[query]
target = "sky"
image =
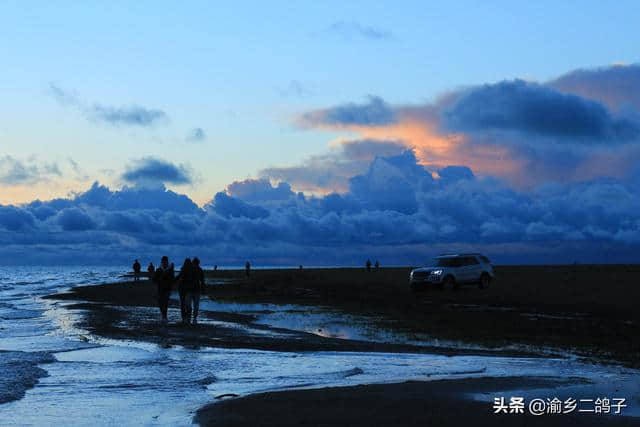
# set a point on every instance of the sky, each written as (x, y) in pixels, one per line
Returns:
(319, 132)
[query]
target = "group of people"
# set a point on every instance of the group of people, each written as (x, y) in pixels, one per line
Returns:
(190, 282)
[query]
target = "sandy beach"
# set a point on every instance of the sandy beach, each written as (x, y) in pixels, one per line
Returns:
(527, 312)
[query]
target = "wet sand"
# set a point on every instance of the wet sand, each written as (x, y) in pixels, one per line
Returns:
(127, 311)
(438, 403)
(589, 310)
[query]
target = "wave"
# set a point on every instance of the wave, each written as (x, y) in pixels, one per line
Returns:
(19, 372)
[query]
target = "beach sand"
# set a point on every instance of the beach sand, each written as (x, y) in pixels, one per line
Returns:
(434, 403)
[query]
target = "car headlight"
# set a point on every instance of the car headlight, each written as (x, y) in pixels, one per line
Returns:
(436, 272)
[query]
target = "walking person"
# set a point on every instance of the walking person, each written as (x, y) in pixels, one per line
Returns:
(186, 283)
(164, 278)
(193, 297)
(136, 270)
(151, 269)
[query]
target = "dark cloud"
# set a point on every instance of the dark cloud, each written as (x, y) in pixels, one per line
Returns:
(74, 219)
(13, 218)
(618, 86)
(538, 110)
(153, 171)
(375, 112)
(230, 207)
(114, 116)
(395, 210)
(18, 172)
(352, 30)
(197, 135)
(137, 198)
(132, 222)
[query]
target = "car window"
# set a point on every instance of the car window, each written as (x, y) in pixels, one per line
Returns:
(471, 261)
(484, 259)
(446, 262)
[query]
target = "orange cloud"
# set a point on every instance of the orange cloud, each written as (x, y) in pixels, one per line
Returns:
(435, 150)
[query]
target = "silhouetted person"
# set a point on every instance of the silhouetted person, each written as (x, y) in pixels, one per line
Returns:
(247, 268)
(368, 264)
(136, 270)
(215, 267)
(151, 269)
(186, 283)
(377, 265)
(193, 296)
(300, 266)
(164, 278)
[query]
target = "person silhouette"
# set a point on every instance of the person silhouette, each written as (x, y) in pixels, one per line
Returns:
(186, 282)
(151, 269)
(136, 270)
(377, 265)
(247, 268)
(164, 278)
(193, 295)
(368, 265)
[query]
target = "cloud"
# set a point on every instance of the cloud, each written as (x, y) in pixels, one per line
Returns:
(133, 115)
(230, 207)
(62, 96)
(17, 172)
(126, 116)
(441, 176)
(13, 218)
(375, 112)
(259, 190)
(617, 86)
(353, 30)
(79, 173)
(197, 135)
(535, 109)
(154, 172)
(74, 219)
(136, 198)
(295, 89)
(524, 133)
(332, 171)
(396, 210)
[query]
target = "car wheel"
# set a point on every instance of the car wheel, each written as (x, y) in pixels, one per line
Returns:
(485, 280)
(449, 283)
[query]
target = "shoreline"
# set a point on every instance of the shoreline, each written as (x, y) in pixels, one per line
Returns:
(126, 310)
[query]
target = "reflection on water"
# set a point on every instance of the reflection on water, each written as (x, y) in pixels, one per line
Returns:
(131, 383)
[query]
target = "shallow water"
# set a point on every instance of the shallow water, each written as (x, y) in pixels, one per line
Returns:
(91, 379)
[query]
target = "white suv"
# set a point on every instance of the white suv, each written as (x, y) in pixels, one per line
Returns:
(452, 271)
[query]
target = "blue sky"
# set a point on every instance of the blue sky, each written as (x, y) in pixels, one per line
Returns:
(224, 92)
